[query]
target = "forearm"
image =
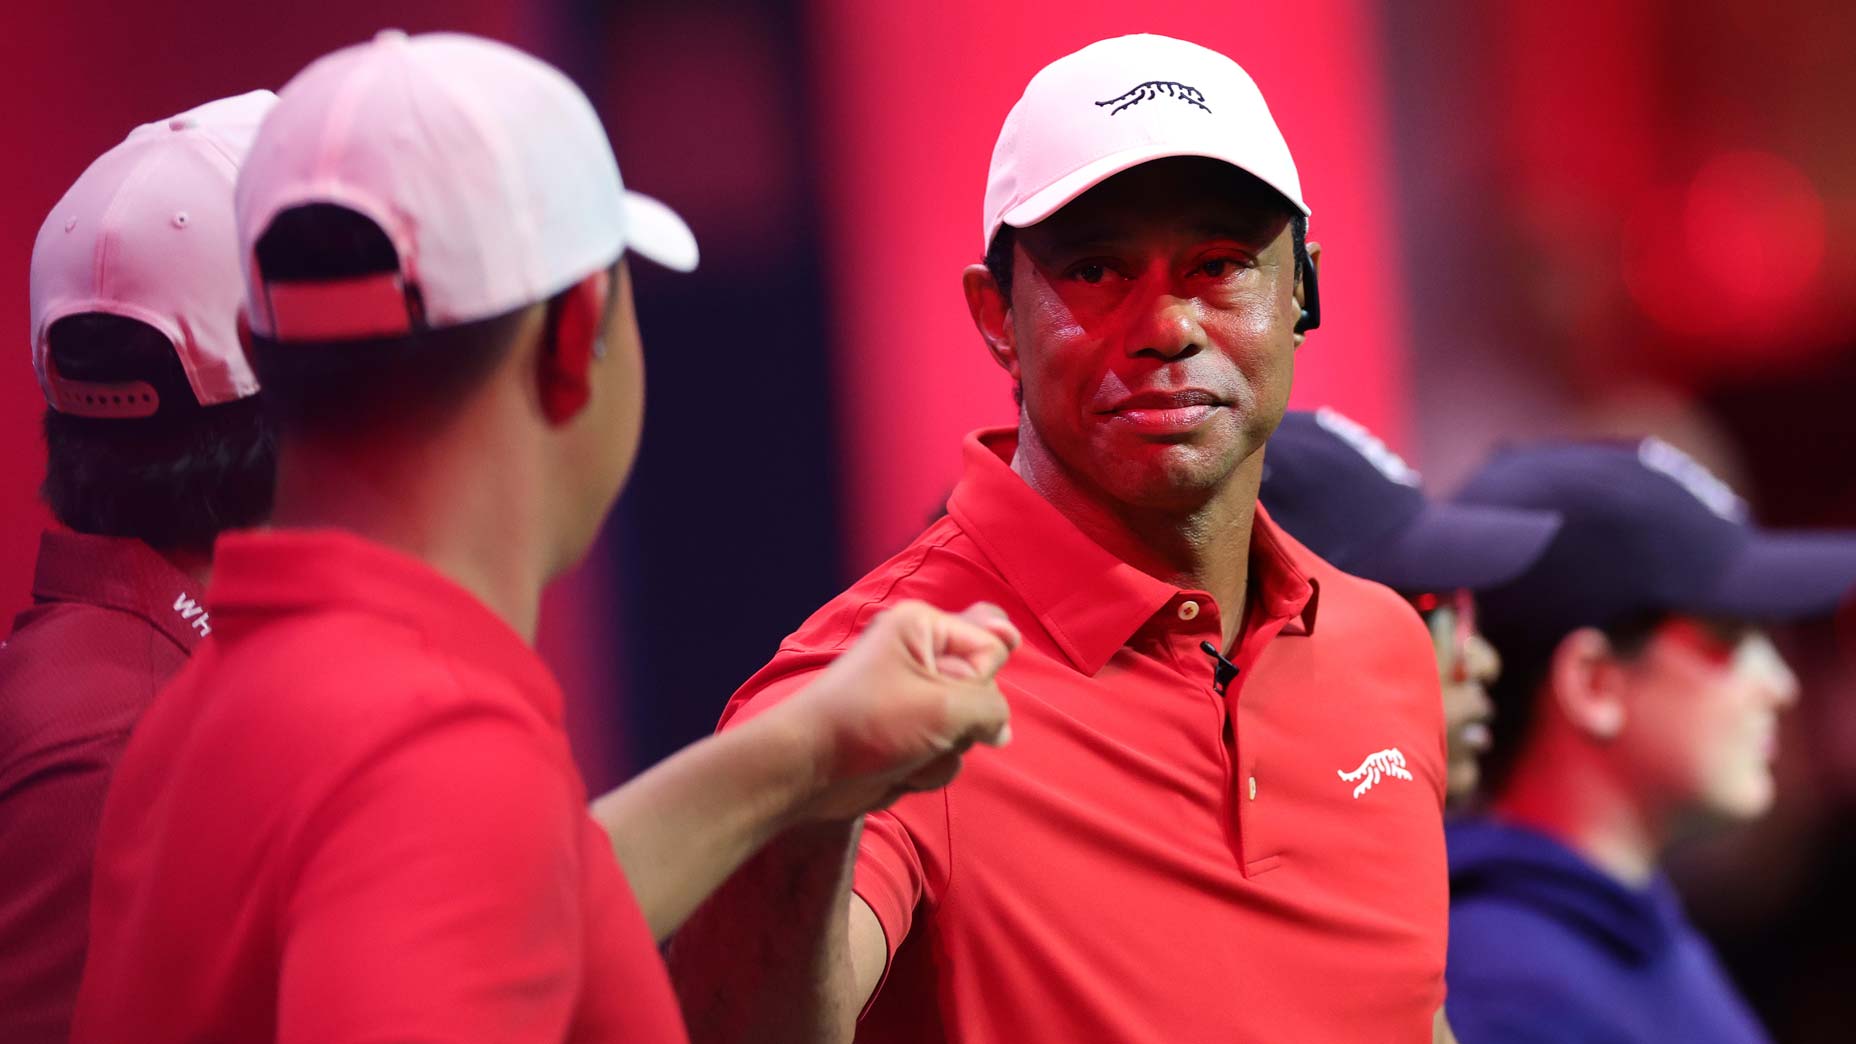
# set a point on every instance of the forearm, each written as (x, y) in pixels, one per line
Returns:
(679, 829)
(767, 958)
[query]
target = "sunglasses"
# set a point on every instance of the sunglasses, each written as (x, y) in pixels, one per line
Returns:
(1451, 616)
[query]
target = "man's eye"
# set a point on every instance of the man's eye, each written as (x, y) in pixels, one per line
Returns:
(1091, 273)
(1218, 268)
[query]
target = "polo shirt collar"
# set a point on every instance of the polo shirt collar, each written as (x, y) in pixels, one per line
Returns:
(1280, 567)
(275, 571)
(119, 573)
(1089, 601)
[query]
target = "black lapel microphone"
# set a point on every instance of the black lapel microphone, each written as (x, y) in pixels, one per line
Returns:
(1225, 669)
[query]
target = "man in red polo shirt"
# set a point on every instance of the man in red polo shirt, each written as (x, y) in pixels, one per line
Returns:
(354, 816)
(1221, 816)
(154, 445)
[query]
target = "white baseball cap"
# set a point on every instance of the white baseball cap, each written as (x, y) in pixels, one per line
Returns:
(146, 233)
(1122, 102)
(486, 168)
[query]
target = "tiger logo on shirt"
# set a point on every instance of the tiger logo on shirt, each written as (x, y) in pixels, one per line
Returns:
(1385, 764)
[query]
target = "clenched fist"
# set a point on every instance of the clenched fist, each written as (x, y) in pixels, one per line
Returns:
(895, 713)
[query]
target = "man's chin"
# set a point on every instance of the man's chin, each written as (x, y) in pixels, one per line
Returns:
(1160, 473)
(1463, 776)
(1173, 492)
(1747, 800)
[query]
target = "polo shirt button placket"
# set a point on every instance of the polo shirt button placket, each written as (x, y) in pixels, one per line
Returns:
(1204, 634)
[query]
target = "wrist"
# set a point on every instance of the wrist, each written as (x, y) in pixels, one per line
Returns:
(798, 752)
(817, 855)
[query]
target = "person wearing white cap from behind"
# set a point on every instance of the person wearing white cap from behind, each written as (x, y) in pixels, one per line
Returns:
(1221, 817)
(154, 446)
(358, 818)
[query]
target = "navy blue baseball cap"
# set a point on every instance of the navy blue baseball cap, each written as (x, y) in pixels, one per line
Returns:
(1648, 529)
(1340, 491)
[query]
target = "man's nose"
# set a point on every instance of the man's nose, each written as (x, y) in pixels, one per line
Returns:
(1483, 662)
(1168, 326)
(1760, 658)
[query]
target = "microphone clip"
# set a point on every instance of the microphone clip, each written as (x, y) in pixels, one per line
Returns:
(1223, 670)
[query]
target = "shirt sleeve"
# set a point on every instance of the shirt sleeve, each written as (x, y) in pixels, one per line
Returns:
(50, 809)
(892, 875)
(438, 895)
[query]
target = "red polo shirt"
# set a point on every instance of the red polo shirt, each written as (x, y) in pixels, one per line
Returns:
(1150, 860)
(354, 817)
(111, 621)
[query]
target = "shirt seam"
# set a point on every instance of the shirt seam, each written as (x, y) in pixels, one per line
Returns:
(919, 557)
(947, 827)
(139, 613)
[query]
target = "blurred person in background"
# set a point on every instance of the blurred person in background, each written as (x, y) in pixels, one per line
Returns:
(1342, 492)
(1167, 853)
(154, 445)
(355, 816)
(1640, 697)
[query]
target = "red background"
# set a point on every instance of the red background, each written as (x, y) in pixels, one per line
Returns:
(1625, 216)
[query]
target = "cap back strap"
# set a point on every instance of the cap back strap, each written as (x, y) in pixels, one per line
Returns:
(382, 305)
(108, 399)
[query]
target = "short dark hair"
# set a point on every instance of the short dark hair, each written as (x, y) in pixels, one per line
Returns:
(999, 254)
(1519, 690)
(349, 386)
(176, 479)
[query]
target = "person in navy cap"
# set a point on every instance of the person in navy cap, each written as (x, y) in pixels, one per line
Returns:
(1640, 693)
(1337, 488)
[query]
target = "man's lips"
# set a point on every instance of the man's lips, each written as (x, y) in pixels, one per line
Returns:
(1166, 400)
(1475, 736)
(1173, 411)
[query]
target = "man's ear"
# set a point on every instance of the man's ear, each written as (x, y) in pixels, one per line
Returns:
(992, 316)
(1588, 683)
(570, 344)
(1301, 285)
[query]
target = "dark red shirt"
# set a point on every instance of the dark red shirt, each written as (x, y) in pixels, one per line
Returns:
(111, 621)
(355, 817)
(1150, 859)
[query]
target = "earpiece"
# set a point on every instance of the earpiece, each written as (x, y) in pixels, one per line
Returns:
(1311, 296)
